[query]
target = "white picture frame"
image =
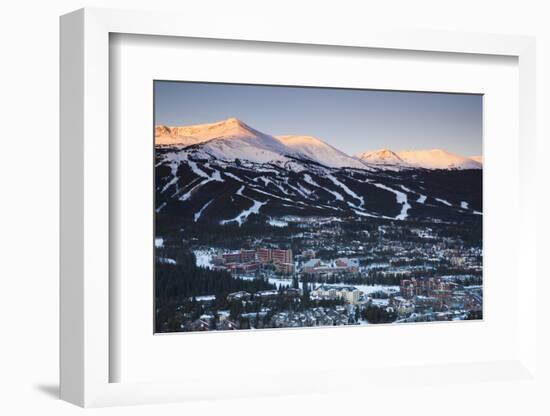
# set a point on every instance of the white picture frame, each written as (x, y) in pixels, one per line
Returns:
(85, 212)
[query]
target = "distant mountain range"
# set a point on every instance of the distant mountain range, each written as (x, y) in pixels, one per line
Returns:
(233, 139)
(228, 173)
(425, 159)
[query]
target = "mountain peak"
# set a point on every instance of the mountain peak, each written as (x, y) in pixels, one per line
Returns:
(232, 120)
(382, 157)
(198, 133)
(161, 128)
(231, 126)
(426, 159)
(231, 138)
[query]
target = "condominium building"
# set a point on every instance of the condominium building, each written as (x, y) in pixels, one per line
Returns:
(285, 268)
(281, 256)
(248, 256)
(264, 255)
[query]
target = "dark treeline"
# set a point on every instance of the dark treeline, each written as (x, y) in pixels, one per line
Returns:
(394, 279)
(378, 315)
(231, 236)
(176, 283)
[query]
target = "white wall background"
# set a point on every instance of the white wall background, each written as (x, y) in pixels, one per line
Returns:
(29, 207)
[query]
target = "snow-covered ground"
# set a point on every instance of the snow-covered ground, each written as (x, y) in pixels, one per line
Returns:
(172, 181)
(304, 190)
(427, 159)
(347, 190)
(463, 205)
(319, 151)
(281, 282)
(230, 175)
(380, 302)
(204, 258)
(200, 211)
(160, 207)
(443, 201)
(383, 158)
(400, 197)
(277, 223)
(260, 191)
(216, 176)
(438, 159)
(366, 214)
(159, 242)
(241, 218)
(205, 298)
(232, 139)
(336, 195)
(367, 289)
(310, 181)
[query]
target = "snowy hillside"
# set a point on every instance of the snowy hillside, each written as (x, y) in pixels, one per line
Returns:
(232, 139)
(228, 173)
(199, 133)
(192, 189)
(426, 159)
(438, 159)
(319, 151)
(243, 143)
(382, 158)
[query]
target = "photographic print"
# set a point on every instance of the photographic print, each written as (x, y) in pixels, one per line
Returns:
(300, 207)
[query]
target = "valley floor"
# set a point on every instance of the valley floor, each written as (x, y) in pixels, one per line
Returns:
(318, 273)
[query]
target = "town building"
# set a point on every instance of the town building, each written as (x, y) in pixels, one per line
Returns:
(342, 265)
(311, 265)
(242, 295)
(232, 257)
(246, 261)
(248, 256)
(350, 265)
(281, 256)
(264, 255)
(350, 294)
(285, 268)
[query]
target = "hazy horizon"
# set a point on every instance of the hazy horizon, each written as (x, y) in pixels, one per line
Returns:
(351, 120)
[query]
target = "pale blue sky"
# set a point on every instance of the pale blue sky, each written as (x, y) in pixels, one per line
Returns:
(351, 120)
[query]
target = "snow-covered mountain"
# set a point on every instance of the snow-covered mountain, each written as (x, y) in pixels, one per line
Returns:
(319, 151)
(383, 158)
(425, 159)
(230, 128)
(233, 139)
(477, 158)
(193, 189)
(227, 173)
(438, 159)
